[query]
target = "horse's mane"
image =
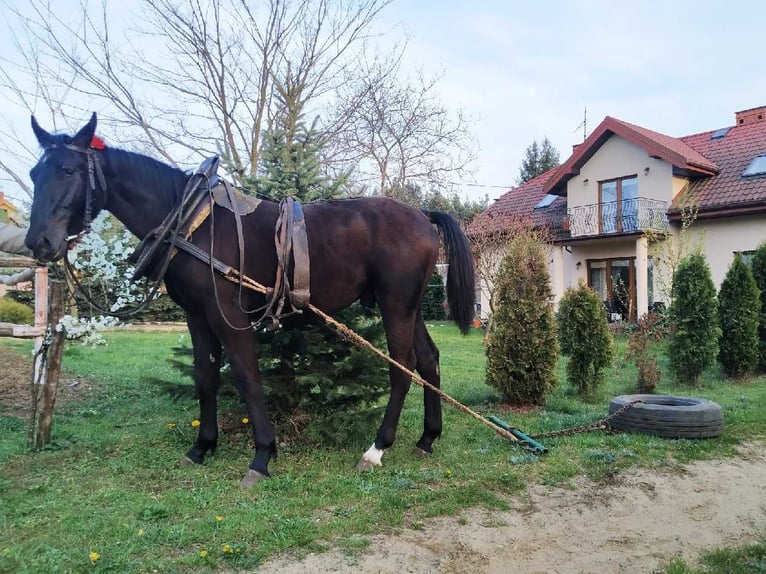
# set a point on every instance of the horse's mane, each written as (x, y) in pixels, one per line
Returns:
(156, 174)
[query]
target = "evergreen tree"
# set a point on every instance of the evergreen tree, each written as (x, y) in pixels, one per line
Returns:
(538, 158)
(585, 337)
(434, 299)
(522, 348)
(693, 318)
(739, 300)
(758, 264)
(306, 366)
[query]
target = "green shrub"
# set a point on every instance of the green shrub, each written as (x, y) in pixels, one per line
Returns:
(522, 348)
(739, 303)
(758, 264)
(433, 299)
(693, 319)
(14, 312)
(585, 337)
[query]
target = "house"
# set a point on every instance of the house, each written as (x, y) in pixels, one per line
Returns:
(8, 211)
(617, 206)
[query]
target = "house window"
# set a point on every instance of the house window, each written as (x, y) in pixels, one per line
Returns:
(546, 201)
(618, 205)
(747, 256)
(756, 167)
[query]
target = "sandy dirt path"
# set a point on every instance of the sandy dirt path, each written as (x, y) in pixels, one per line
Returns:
(635, 525)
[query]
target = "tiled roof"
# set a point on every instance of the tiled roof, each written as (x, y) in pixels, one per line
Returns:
(519, 204)
(714, 166)
(673, 150)
(732, 154)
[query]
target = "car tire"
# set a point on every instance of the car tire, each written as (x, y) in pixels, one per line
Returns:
(667, 416)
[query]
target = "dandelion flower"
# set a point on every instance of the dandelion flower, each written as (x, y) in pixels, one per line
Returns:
(94, 556)
(195, 423)
(245, 420)
(140, 531)
(448, 472)
(218, 518)
(202, 553)
(171, 425)
(227, 549)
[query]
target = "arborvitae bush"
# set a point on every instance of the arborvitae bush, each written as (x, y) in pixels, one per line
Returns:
(693, 319)
(585, 337)
(758, 264)
(739, 302)
(522, 348)
(14, 312)
(434, 298)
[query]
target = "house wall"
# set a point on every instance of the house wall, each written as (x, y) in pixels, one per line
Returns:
(618, 158)
(721, 238)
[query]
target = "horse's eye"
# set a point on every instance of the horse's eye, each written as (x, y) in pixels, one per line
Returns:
(69, 170)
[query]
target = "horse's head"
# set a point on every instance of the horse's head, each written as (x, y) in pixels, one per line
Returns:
(64, 180)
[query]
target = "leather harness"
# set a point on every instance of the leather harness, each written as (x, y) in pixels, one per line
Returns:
(203, 191)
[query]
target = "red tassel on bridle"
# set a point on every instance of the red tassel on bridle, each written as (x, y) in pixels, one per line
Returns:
(97, 143)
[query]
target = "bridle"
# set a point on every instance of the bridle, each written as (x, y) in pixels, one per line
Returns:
(94, 171)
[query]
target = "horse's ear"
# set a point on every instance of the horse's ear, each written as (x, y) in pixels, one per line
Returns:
(43, 138)
(85, 135)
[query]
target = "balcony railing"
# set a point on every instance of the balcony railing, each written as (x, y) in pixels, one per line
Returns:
(626, 216)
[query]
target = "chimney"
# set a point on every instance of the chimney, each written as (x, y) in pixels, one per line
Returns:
(574, 147)
(751, 116)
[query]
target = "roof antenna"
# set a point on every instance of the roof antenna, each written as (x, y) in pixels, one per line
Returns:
(583, 124)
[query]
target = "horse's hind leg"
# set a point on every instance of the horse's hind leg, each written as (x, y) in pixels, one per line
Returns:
(427, 355)
(399, 332)
(207, 365)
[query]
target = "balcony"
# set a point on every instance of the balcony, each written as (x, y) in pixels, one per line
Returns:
(615, 217)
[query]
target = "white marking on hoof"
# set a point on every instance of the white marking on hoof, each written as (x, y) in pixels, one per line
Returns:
(371, 458)
(252, 478)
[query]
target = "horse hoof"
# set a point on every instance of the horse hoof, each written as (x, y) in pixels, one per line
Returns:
(186, 462)
(420, 453)
(252, 478)
(366, 465)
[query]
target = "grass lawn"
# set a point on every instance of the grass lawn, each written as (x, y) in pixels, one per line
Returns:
(108, 485)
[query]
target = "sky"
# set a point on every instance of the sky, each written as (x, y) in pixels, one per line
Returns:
(528, 70)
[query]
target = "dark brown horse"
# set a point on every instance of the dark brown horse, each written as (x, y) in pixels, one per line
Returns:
(375, 249)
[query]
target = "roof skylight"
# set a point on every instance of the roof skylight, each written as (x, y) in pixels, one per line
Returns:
(546, 201)
(720, 134)
(756, 167)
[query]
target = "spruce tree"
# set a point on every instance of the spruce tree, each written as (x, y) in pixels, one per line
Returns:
(693, 318)
(522, 348)
(739, 301)
(538, 158)
(585, 337)
(306, 366)
(758, 264)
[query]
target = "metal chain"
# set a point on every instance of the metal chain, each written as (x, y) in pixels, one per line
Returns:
(602, 424)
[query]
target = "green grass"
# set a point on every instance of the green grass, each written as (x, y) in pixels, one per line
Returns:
(108, 483)
(749, 559)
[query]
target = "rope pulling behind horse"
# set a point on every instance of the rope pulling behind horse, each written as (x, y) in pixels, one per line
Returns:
(231, 274)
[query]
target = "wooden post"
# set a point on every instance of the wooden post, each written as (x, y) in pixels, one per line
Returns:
(40, 350)
(50, 388)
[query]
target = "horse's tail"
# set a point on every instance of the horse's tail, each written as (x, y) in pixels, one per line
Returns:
(460, 275)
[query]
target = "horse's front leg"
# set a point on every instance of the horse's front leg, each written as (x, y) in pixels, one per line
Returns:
(207, 366)
(240, 347)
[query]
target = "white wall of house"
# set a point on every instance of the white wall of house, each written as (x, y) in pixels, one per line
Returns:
(721, 238)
